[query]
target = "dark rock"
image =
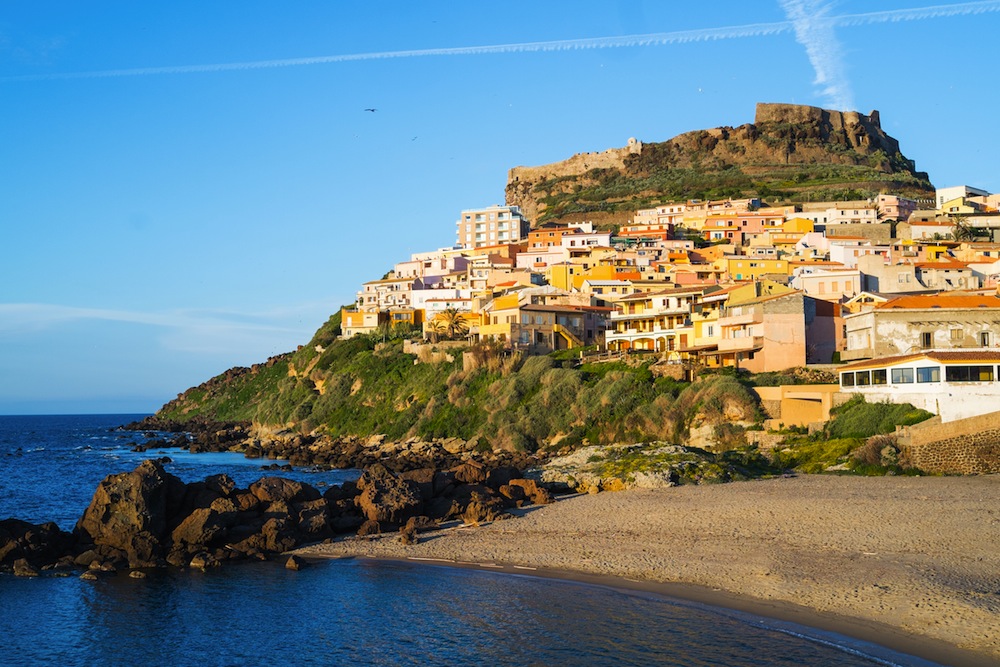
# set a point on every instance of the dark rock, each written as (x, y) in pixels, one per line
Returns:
(482, 509)
(22, 568)
(40, 544)
(129, 512)
(538, 495)
(278, 535)
(269, 489)
(204, 526)
(470, 472)
(423, 478)
(500, 476)
(345, 491)
(515, 494)
(386, 498)
(313, 517)
(295, 563)
(203, 560)
(420, 523)
(369, 527)
(408, 535)
(444, 508)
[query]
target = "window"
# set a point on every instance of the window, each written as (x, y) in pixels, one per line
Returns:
(863, 378)
(929, 374)
(902, 375)
(926, 338)
(984, 339)
(847, 379)
(879, 376)
(968, 373)
(956, 335)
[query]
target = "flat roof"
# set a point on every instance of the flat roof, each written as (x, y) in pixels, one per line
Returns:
(941, 356)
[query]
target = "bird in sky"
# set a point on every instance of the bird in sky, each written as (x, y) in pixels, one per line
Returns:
(373, 110)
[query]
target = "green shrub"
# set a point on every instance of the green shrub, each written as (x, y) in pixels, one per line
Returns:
(859, 419)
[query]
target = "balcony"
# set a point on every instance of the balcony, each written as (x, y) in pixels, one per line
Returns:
(651, 313)
(738, 320)
(745, 344)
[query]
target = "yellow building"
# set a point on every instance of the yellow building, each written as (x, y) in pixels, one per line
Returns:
(654, 321)
(798, 226)
(354, 322)
(541, 328)
(754, 268)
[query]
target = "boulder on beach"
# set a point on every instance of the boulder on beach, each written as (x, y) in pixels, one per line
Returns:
(387, 498)
(129, 512)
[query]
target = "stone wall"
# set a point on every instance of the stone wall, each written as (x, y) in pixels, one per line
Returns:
(879, 232)
(964, 447)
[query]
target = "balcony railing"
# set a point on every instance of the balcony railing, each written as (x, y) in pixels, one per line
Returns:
(741, 344)
(736, 320)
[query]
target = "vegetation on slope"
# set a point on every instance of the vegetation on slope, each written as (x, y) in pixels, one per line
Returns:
(857, 439)
(362, 386)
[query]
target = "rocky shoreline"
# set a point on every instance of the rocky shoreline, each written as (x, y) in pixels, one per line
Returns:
(298, 449)
(149, 518)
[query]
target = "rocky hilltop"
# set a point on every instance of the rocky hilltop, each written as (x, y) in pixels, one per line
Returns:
(790, 152)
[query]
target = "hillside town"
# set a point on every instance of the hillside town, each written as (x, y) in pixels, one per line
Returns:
(731, 283)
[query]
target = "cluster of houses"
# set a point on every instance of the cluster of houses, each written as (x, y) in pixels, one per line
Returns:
(722, 283)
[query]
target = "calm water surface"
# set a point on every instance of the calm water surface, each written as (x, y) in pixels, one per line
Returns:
(344, 612)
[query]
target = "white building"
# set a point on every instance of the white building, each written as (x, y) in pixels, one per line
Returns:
(953, 384)
(494, 225)
(942, 195)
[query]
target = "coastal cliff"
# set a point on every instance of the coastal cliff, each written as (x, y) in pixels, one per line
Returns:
(789, 152)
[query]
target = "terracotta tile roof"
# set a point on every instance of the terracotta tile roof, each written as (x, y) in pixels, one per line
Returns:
(942, 356)
(946, 264)
(952, 301)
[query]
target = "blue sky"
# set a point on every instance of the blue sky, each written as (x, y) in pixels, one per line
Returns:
(189, 186)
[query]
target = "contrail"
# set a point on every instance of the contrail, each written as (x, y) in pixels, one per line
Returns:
(655, 39)
(815, 32)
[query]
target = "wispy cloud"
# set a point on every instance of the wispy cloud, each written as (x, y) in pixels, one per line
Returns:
(817, 33)
(185, 330)
(655, 39)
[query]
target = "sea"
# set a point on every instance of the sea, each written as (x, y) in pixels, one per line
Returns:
(337, 612)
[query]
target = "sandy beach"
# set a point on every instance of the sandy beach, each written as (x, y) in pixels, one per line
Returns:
(911, 563)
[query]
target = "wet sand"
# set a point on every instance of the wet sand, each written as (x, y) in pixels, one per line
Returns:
(911, 563)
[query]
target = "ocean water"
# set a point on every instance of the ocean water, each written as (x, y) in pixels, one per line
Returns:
(343, 612)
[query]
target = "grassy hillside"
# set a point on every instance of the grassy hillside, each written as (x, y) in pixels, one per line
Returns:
(363, 386)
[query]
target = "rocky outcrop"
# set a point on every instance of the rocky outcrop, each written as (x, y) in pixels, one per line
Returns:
(26, 547)
(386, 498)
(645, 465)
(774, 152)
(128, 514)
(302, 449)
(150, 518)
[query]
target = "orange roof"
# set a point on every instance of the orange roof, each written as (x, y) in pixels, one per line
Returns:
(934, 355)
(953, 301)
(945, 264)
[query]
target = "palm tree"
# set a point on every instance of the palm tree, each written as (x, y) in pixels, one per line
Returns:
(963, 230)
(451, 323)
